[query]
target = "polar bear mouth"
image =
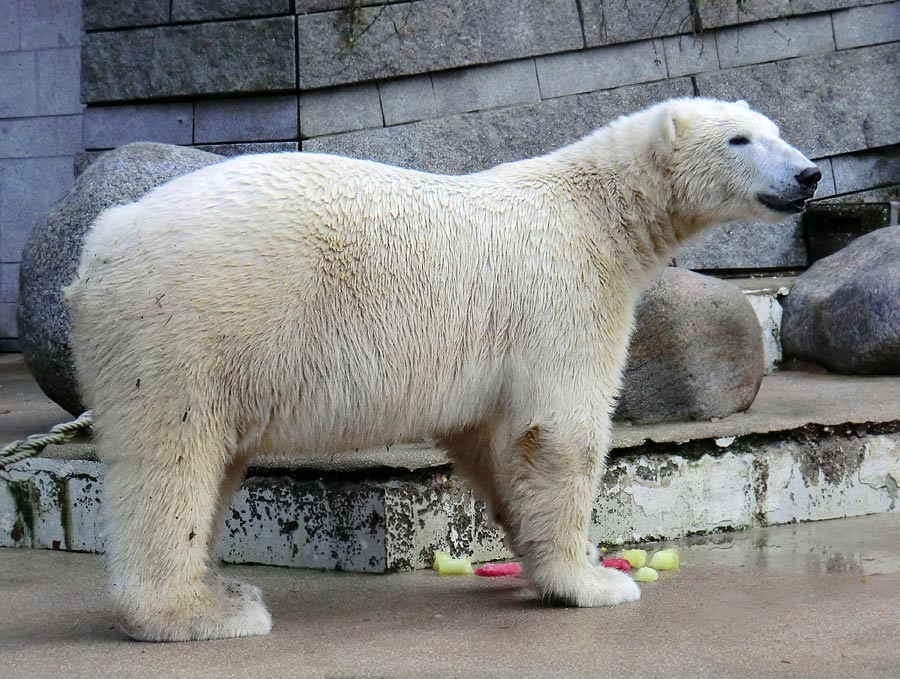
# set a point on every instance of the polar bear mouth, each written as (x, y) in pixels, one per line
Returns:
(780, 205)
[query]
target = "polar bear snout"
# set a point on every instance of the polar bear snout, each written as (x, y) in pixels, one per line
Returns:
(809, 177)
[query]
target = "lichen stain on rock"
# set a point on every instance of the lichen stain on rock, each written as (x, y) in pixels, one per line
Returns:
(830, 459)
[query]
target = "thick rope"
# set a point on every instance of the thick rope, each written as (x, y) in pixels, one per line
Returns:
(34, 444)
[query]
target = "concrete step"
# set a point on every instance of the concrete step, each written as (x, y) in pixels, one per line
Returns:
(811, 447)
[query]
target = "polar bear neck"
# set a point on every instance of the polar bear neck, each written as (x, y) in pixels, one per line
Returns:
(617, 178)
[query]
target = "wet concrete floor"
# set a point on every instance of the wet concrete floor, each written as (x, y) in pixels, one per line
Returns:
(809, 600)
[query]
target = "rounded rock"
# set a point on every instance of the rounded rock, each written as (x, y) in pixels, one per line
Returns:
(51, 254)
(843, 312)
(696, 353)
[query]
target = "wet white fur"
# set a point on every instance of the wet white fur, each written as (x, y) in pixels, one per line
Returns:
(299, 302)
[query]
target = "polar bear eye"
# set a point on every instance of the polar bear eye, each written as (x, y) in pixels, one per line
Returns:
(739, 140)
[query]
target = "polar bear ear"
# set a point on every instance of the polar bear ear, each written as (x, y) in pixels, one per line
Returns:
(675, 123)
(741, 102)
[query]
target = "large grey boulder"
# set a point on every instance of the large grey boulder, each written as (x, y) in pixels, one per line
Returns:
(844, 311)
(51, 254)
(696, 353)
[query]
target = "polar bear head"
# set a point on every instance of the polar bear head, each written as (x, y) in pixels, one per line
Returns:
(728, 162)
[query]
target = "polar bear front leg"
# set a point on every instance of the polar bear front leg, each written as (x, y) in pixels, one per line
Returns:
(161, 495)
(554, 477)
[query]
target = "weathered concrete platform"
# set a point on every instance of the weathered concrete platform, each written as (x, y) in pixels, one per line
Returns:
(808, 600)
(811, 447)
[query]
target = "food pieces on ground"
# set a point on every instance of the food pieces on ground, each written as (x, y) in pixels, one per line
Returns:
(636, 557)
(646, 574)
(614, 562)
(665, 560)
(495, 570)
(445, 564)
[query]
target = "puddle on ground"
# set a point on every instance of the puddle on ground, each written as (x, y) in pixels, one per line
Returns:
(860, 545)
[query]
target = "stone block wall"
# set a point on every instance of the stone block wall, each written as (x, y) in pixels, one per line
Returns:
(459, 85)
(40, 127)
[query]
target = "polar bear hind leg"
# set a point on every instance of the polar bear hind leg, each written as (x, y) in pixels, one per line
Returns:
(163, 489)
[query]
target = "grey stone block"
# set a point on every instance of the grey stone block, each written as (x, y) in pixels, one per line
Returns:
(207, 58)
(9, 27)
(601, 68)
(407, 99)
(880, 195)
(10, 346)
(243, 149)
(245, 119)
(810, 6)
(867, 25)
(18, 92)
(716, 13)
(470, 142)
(28, 187)
(107, 127)
(40, 136)
(9, 282)
(59, 81)
(205, 10)
(100, 14)
(344, 108)
(612, 21)
(50, 23)
(311, 6)
(8, 325)
(826, 187)
(51, 254)
(748, 245)
(866, 170)
(771, 40)
(409, 38)
(826, 105)
(481, 87)
(687, 54)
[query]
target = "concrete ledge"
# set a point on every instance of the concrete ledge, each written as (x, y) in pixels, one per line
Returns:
(381, 522)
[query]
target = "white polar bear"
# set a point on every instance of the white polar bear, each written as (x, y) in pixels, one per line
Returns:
(307, 302)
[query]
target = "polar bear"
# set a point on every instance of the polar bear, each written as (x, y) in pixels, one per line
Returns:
(286, 302)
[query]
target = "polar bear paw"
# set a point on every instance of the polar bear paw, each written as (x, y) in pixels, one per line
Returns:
(224, 609)
(586, 587)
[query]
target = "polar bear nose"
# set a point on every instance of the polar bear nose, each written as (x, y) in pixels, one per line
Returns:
(810, 176)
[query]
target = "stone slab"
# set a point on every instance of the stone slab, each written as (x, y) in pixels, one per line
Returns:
(613, 21)
(857, 85)
(58, 77)
(43, 136)
(340, 109)
(867, 25)
(246, 119)
(8, 325)
(208, 10)
(772, 40)
(35, 184)
(867, 169)
(687, 54)
(747, 245)
(50, 23)
(395, 523)
(106, 127)
(100, 14)
(18, 73)
(189, 60)
(481, 87)
(406, 100)
(718, 13)
(9, 27)
(601, 68)
(474, 141)
(406, 38)
(9, 282)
